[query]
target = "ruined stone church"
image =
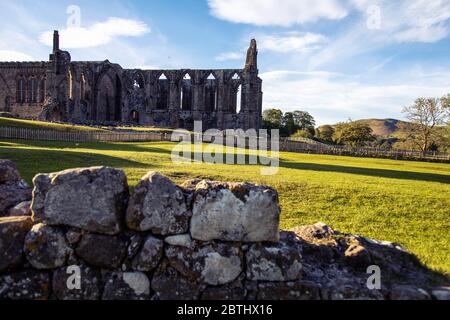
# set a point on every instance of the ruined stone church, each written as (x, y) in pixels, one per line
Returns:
(103, 93)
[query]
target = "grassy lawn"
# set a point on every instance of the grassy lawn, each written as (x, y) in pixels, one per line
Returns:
(31, 124)
(399, 201)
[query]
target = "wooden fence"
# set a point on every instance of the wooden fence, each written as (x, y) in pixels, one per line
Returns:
(81, 136)
(290, 145)
(286, 144)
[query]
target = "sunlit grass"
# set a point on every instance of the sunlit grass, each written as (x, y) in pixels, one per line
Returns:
(400, 201)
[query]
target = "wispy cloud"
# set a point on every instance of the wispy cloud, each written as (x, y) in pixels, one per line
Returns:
(275, 12)
(225, 56)
(292, 42)
(333, 97)
(99, 33)
(11, 55)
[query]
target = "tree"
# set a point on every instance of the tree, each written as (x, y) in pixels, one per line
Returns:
(355, 134)
(289, 123)
(426, 115)
(304, 120)
(272, 118)
(302, 134)
(325, 133)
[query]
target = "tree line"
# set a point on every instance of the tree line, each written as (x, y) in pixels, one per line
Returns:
(425, 131)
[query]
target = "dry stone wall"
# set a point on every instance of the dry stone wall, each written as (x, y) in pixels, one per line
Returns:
(199, 240)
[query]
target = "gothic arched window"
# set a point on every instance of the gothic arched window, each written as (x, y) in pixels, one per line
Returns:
(34, 90)
(70, 85)
(20, 90)
(83, 87)
(42, 91)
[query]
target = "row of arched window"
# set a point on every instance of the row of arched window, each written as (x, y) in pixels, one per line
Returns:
(30, 90)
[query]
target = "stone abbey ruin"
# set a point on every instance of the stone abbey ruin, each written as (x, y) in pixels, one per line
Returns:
(105, 93)
(199, 240)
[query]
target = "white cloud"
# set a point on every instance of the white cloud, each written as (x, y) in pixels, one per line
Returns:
(10, 55)
(276, 12)
(292, 42)
(225, 56)
(332, 97)
(99, 33)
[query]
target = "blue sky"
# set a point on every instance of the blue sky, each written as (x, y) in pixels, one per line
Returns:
(337, 59)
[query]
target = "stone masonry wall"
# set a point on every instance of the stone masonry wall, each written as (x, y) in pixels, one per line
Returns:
(200, 240)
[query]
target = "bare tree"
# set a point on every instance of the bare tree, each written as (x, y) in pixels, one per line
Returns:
(426, 114)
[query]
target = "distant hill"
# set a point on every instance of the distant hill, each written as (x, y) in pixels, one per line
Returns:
(385, 127)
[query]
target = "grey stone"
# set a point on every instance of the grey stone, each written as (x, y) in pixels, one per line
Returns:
(89, 281)
(25, 285)
(181, 240)
(169, 284)
(213, 263)
(441, 293)
(280, 262)
(8, 172)
(12, 237)
(235, 212)
(232, 291)
(126, 286)
(73, 236)
(22, 209)
(11, 194)
(46, 247)
(102, 251)
(149, 256)
(298, 290)
(158, 205)
(92, 199)
(408, 292)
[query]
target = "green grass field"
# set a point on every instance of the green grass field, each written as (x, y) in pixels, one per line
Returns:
(32, 124)
(398, 201)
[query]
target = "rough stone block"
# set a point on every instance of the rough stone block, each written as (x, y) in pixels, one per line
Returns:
(235, 212)
(25, 285)
(12, 237)
(158, 205)
(90, 284)
(149, 256)
(93, 199)
(169, 284)
(8, 172)
(11, 194)
(210, 263)
(126, 286)
(280, 262)
(46, 247)
(22, 209)
(102, 251)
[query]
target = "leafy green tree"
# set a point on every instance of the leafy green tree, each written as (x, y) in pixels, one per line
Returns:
(272, 119)
(426, 115)
(325, 133)
(302, 134)
(304, 120)
(289, 124)
(353, 134)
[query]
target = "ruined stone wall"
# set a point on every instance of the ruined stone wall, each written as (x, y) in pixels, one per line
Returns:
(200, 240)
(101, 92)
(27, 104)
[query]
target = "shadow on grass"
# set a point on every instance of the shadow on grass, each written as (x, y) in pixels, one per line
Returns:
(103, 146)
(372, 172)
(31, 162)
